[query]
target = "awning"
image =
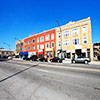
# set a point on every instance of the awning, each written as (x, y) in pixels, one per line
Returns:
(40, 53)
(25, 53)
(21, 53)
(31, 53)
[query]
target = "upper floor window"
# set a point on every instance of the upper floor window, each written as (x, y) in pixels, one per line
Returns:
(42, 39)
(52, 36)
(25, 43)
(59, 43)
(33, 40)
(84, 29)
(37, 46)
(25, 49)
(59, 35)
(52, 44)
(47, 45)
(42, 46)
(37, 40)
(75, 41)
(84, 40)
(29, 42)
(33, 47)
(21, 44)
(66, 33)
(47, 37)
(28, 48)
(75, 31)
(66, 42)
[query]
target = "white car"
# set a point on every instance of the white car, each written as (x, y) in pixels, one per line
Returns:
(81, 59)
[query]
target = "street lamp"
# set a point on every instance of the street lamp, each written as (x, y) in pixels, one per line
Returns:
(7, 45)
(61, 38)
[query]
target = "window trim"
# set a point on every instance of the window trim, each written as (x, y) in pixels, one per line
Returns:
(32, 47)
(51, 45)
(29, 42)
(38, 40)
(86, 29)
(37, 47)
(32, 41)
(67, 41)
(47, 37)
(74, 41)
(43, 39)
(53, 36)
(41, 45)
(29, 49)
(85, 39)
(46, 45)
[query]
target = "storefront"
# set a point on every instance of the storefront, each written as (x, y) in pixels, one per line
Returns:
(21, 54)
(40, 53)
(31, 53)
(49, 53)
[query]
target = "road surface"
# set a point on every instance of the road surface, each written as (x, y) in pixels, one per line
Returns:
(44, 81)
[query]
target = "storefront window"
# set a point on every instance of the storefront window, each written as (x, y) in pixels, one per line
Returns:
(49, 54)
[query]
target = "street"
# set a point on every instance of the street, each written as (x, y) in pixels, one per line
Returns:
(20, 80)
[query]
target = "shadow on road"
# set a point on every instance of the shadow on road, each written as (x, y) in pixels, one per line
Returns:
(17, 73)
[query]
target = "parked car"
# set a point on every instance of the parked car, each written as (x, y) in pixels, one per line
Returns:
(3, 58)
(81, 59)
(9, 57)
(98, 57)
(56, 59)
(33, 58)
(43, 59)
(26, 58)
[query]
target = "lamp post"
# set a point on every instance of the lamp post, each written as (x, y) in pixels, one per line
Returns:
(7, 45)
(61, 38)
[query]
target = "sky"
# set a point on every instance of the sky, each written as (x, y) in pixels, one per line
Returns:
(20, 18)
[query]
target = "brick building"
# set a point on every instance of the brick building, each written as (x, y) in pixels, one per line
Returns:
(42, 44)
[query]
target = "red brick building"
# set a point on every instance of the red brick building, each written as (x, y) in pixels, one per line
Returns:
(42, 44)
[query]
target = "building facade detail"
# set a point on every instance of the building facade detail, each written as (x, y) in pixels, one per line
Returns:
(74, 38)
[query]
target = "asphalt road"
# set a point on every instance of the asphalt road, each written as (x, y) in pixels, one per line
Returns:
(45, 81)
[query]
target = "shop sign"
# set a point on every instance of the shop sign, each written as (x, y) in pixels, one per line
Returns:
(78, 46)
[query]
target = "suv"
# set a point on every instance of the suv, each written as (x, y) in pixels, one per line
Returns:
(81, 59)
(56, 59)
(33, 58)
(43, 59)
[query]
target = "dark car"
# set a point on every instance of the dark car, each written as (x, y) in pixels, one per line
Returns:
(56, 59)
(98, 57)
(81, 59)
(26, 58)
(43, 59)
(33, 58)
(3, 58)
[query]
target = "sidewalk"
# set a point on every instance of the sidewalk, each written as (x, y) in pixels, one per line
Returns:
(91, 63)
(64, 62)
(95, 63)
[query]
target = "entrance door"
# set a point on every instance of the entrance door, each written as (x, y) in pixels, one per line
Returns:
(78, 52)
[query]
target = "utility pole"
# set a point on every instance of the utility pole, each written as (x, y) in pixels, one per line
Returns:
(61, 38)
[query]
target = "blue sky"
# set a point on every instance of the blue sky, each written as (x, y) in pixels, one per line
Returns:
(20, 18)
